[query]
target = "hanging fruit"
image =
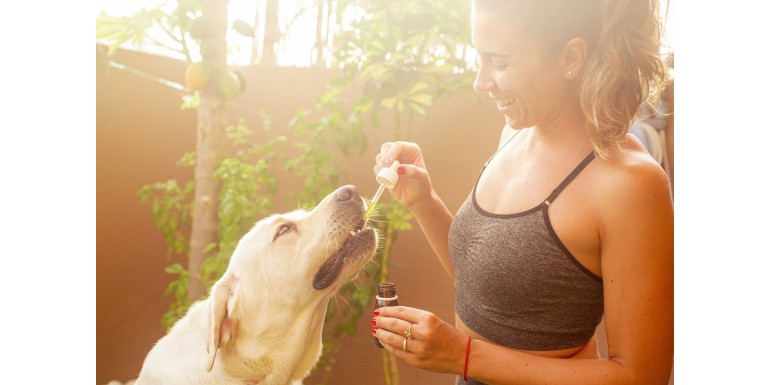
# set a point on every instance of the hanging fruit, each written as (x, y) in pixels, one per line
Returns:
(196, 75)
(241, 79)
(229, 84)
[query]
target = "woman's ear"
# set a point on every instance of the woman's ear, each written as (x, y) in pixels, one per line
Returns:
(574, 57)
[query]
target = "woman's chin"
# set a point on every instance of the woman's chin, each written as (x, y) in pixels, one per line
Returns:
(516, 124)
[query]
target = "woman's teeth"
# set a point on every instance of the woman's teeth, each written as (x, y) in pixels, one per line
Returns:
(502, 103)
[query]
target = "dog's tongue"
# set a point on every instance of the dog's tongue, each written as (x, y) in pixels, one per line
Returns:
(329, 271)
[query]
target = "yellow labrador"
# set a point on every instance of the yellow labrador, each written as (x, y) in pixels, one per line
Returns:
(262, 321)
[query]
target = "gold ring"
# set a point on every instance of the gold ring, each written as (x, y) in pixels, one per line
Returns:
(408, 333)
(403, 347)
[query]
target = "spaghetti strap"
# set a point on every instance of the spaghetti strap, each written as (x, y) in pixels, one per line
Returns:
(569, 178)
(501, 147)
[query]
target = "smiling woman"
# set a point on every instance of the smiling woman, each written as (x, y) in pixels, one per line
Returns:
(543, 247)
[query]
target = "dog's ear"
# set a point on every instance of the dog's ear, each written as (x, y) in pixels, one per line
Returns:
(224, 315)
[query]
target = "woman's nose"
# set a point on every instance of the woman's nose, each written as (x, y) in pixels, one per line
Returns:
(482, 83)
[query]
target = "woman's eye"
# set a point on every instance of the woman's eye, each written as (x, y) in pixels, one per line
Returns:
(500, 66)
(286, 227)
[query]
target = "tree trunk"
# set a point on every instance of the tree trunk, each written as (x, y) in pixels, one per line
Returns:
(212, 117)
(210, 133)
(272, 32)
(257, 39)
(318, 58)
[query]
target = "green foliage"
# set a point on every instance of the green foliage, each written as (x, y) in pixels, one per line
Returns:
(405, 55)
(122, 29)
(191, 102)
(178, 288)
(176, 19)
(170, 208)
(247, 187)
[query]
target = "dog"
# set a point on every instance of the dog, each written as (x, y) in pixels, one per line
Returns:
(262, 321)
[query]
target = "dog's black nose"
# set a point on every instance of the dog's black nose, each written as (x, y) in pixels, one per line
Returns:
(346, 193)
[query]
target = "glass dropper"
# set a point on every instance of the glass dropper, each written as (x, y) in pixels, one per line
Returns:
(387, 178)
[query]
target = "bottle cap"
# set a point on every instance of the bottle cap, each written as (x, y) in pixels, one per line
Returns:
(388, 176)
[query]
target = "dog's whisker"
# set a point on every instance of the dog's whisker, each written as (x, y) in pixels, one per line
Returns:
(336, 302)
(344, 300)
(359, 278)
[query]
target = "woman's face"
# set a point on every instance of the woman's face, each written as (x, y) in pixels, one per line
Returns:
(527, 85)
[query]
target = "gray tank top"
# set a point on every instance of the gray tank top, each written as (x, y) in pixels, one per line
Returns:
(516, 283)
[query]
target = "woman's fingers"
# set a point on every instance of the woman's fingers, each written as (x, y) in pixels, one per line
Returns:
(394, 342)
(432, 343)
(382, 159)
(405, 313)
(398, 326)
(394, 323)
(377, 164)
(386, 155)
(404, 152)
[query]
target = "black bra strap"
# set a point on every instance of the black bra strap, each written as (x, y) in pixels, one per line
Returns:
(501, 147)
(570, 177)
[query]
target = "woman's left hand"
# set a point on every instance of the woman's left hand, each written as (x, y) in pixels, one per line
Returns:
(432, 344)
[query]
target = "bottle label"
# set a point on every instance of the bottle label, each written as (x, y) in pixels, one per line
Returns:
(393, 298)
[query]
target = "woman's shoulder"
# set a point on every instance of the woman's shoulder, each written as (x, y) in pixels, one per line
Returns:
(630, 171)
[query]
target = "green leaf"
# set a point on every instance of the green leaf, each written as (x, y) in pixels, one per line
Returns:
(422, 99)
(389, 102)
(190, 101)
(209, 247)
(175, 268)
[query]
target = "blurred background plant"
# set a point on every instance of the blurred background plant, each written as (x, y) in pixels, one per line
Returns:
(395, 59)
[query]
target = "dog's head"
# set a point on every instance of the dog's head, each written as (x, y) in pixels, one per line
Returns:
(293, 258)
(319, 249)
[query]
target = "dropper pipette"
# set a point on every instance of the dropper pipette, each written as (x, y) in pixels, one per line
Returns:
(374, 200)
(387, 178)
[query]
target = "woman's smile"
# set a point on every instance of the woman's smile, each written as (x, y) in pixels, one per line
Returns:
(504, 104)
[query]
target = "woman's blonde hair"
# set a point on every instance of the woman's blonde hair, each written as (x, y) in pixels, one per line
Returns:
(624, 67)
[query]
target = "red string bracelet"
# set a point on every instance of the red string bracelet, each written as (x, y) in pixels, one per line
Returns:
(467, 352)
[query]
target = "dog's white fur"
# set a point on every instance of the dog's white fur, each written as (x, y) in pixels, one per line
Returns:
(262, 321)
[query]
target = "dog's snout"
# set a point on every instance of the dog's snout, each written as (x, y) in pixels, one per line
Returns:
(346, 193)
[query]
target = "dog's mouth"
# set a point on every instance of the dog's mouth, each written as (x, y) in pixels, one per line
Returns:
(361, 242)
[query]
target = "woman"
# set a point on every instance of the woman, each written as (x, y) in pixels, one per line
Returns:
(570, 220)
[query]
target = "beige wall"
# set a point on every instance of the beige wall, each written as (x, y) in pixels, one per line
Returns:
(141, 132)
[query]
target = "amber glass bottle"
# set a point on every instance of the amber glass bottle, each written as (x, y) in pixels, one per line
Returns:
(386, 296)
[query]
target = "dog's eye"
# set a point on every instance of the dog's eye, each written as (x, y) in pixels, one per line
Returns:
(284, 228)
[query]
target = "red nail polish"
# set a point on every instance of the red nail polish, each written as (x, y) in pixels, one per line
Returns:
(376, 312)
(374, 322)
(401, 170)
(374, 330)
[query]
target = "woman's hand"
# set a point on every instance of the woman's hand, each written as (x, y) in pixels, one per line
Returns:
(433, 344)
(414, 184)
